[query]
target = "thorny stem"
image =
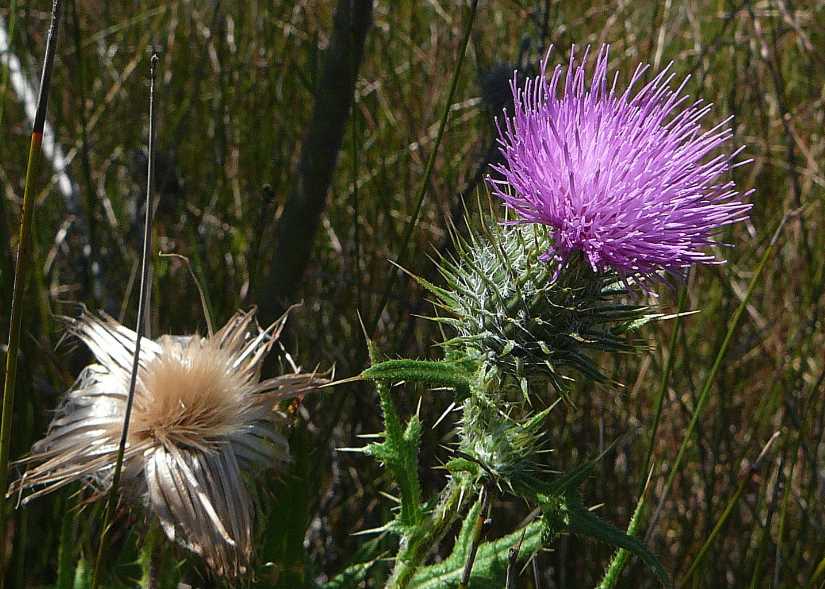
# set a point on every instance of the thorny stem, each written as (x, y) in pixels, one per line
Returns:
(22, 264)
(478, 528)
(419, 542)
(111, 500)
(408, 483)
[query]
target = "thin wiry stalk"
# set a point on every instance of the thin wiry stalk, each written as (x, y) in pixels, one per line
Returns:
(425, 181)
(52, 150)
(717, 363)
(111, 500)
(744, 479)
(663, 387)
(24, 261)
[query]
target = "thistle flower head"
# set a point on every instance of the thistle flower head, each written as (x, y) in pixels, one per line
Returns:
(628, 178)
(529, 330)
(201, 418)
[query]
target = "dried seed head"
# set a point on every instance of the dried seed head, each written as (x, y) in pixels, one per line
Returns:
(190, 396)
(201, 417)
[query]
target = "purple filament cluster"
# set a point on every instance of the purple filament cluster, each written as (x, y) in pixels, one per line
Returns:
(628, 178)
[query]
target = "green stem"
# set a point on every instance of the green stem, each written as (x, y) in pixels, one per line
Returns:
(392, 423)
(150, 556)
(22, 265)
(405, 467)
(431, 372)
(663, 386)
(475, 540)
(417, 545)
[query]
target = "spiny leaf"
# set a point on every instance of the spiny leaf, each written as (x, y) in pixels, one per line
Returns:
(585, 522)
(399, 450)
(422, 371)
(490, 566)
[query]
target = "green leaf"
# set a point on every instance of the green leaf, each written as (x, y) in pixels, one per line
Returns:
(350, 577)
(287, 516)
(586, 523)
(490, 566)
(82, 575)
(423, 371)
(66, 550)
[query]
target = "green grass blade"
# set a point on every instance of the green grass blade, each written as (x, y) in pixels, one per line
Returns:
(22, 265)
(425, 181)
(66, 550)
(717, 363)
(666, 373)
(726, 513)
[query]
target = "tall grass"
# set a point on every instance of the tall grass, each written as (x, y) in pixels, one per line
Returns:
(239, 81)
(23, 263)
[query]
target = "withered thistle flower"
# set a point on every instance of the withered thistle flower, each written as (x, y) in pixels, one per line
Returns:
(202, 418)
(630, 178)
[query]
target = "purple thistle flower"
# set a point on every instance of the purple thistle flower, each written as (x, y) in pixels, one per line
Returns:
(630, 179)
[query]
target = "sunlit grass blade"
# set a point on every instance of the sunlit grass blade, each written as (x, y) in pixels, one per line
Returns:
(24, 262)
(665, 382)
(744, 479)
(717, 364)
(425, 181)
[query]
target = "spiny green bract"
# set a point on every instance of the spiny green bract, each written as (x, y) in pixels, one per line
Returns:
(504, 450)
(509, 310)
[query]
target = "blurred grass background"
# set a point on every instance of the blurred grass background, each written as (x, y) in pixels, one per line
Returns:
(237, 86)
